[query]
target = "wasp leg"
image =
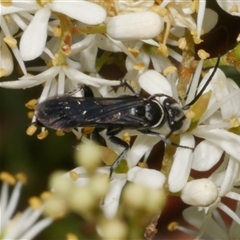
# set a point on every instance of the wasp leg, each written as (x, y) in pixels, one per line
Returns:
(128, 85)
(111, 132)
(163, 138)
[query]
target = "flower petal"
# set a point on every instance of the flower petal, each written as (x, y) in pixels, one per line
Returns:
(234, 232)
(83, 11)
(197, 219)
(228, 141)
(147, 177)
(34, 37)
(154, 83)
(231, 7)
(206, 155)
(111, 201)
(138, 25)
(182, 163)
(230, 177)
(6, 64)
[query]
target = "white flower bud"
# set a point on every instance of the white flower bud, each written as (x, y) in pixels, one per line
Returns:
(60, 184)
(135, 26)
(112, 229)
(89, 155)
(200, 192)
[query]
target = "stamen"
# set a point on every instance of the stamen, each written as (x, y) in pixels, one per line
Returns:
(35, 203)
(3, 72)
(31, 130)
(202, 54)
(10, 41)
(234, 9)
(134, 51)
(169, 70)
(182, 43)
(31, 104)
(60, 133)
(6, 3)
(139, 66)
(71, 236)
(234, 122)
(42, 135)
(21, 177)
(8, 178)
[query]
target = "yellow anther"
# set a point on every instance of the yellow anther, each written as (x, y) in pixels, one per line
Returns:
(10, 41)
(42, 135)
(43, 2)
(71, 236)
(182, 43)
(234, 9)
(194, 6)
(31, 104)
(172, 226)
(7, 177)
(31, 130)
(60, 133)
(197, 40)
(46, 195)
(139, 66)
(134, 51)
(202, 54)
(21, 177)
(2, 72)
(142, 165)
(234, 122)
(30, 114)
(163, 50)
(168, 70)
(163, 12)
(6, 3)
(87, 130)
(35, 203)
(126, 137)
(73, 175)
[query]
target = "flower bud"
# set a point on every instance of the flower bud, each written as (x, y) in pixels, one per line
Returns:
(200, 192)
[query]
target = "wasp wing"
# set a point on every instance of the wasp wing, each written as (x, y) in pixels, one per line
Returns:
(64, 112)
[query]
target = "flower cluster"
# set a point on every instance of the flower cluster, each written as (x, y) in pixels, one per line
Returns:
(76, 39)
(26, 224)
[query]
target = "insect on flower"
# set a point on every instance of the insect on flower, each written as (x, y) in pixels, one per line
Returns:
(115, 114)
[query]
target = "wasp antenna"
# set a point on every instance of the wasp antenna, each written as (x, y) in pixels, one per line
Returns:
(187, 106)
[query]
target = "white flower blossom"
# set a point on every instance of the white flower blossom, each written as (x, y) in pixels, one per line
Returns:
(216, 228)
(24, 225)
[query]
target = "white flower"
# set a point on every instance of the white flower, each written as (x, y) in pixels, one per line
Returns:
(34, 36)
(24, 225)
(215, 228)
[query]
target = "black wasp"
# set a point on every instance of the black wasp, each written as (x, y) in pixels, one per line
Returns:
(115, 114)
